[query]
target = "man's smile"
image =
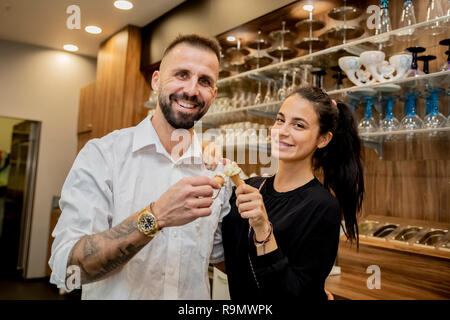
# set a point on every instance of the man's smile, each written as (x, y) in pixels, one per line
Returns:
(186, 104)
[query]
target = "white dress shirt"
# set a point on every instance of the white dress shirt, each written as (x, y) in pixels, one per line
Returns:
(118, 175)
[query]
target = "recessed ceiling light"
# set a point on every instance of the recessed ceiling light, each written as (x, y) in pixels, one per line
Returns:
(93, 29)
(231, 38)
(70, 47)
(123, 5)
(308, 7)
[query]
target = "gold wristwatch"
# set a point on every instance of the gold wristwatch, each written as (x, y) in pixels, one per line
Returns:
(147, 222)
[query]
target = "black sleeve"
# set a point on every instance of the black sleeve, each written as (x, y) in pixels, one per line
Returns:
(303, 273)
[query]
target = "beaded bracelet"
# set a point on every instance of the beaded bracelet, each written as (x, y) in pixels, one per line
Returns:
(262, 243)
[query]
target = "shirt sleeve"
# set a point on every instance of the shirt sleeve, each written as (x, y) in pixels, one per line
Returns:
(303, 273)
(86, 204)
(217, 254)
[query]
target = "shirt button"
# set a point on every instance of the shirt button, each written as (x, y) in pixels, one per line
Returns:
(175, 234)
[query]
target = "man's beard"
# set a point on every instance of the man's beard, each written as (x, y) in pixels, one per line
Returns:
(183, 120)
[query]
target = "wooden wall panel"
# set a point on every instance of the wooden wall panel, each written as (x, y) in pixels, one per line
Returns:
(110, 84)
(136, 90)
(411, 181)
(121, 88)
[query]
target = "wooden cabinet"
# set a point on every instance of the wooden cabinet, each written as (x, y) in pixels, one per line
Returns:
(116, 99)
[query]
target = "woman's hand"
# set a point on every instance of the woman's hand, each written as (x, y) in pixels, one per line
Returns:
(251, 206)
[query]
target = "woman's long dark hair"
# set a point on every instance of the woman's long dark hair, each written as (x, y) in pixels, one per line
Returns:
(340, 160)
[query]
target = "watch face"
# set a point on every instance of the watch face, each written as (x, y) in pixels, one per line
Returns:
(147, 222)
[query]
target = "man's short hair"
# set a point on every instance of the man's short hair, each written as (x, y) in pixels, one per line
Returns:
(196, 40)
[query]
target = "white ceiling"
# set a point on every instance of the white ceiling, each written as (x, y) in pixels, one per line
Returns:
(43, 22)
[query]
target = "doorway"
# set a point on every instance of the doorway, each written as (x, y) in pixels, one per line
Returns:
(19, 144)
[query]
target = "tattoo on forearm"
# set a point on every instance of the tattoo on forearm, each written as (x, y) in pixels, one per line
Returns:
(122, 230)
(90, 247)
(113, 264)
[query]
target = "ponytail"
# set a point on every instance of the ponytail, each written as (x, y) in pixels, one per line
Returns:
(341, 163)
(340, 160)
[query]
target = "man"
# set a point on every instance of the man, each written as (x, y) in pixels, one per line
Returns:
(138, 217)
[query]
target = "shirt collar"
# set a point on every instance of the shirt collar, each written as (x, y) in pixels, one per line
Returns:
(146, 135)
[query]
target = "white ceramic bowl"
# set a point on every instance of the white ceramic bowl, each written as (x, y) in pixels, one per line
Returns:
(371, 58)
(402, 63)
(352, 67)
(349, 63)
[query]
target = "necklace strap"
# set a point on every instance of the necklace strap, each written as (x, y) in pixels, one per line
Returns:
(249, 237)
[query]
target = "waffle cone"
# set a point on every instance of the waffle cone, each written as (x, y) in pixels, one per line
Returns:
(219, 179)
(236, 180)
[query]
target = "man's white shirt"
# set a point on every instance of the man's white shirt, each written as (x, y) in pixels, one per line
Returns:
(118, 175)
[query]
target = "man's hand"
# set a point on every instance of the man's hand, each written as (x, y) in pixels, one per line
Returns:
(187, 200)
(101, 255)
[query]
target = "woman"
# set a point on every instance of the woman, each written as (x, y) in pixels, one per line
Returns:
(282, 234)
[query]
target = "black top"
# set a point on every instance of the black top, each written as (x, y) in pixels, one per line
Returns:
(306, 223)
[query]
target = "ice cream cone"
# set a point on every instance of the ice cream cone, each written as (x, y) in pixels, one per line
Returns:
(236, 180)
(232, 170)
(219, 179)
